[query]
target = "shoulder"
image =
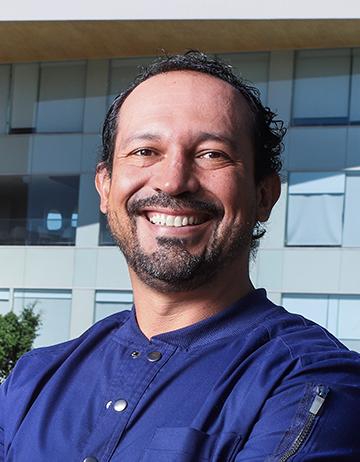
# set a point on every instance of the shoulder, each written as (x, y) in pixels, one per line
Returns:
(47, 360)
(308, 388)
(101, 330)
(309, 352)
(290, 345)
(56, 367)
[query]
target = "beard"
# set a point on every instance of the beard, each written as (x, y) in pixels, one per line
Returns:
(172, 268)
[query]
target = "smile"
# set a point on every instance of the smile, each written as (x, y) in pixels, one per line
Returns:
(163, 219)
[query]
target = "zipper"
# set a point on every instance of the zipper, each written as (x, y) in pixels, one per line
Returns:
(316, 405)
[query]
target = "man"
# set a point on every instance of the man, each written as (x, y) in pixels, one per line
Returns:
(205, 367)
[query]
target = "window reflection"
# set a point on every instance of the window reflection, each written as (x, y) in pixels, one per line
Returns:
(38, 210)
(54, 220)
(105, 237)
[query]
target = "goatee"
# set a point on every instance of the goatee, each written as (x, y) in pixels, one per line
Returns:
(172, 268)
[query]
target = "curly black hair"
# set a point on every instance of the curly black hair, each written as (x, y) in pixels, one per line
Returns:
(268, 131)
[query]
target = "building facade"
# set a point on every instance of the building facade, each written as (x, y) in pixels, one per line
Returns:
(55, 250)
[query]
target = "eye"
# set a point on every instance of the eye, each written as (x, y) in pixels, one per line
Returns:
(208, 159)
(144, 152)
(212, 155)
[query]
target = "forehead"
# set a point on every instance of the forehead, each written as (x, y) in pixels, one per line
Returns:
(193, 95)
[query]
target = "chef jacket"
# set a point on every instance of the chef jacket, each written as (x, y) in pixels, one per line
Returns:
(251, 383)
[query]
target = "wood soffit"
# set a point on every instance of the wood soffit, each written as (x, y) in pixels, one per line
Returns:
(23, 41)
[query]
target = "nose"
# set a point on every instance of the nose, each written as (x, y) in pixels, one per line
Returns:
(176, 174)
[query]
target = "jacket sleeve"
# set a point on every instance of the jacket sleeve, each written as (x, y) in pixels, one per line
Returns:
(2, 423)
(9, 406)
(2, 445)
(303, 422)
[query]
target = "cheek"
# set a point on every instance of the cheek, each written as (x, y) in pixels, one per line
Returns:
(237, 196)
(125, 183)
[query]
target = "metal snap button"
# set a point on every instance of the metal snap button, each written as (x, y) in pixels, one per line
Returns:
(154, 356)
(120, 405)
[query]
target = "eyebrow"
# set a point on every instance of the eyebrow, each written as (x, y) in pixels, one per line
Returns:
(201, 137)
(220, 137)
(147, 136)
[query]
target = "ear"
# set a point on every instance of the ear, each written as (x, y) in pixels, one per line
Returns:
(102, 184)
(267, 194)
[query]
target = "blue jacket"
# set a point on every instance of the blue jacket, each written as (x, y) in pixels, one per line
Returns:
(252, 383)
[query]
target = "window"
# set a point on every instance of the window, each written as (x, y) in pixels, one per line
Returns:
(315, 208)
(24, 92)
(54, 220)
(340, 314)
(355, 88)
(61, 97)
(54, 308)
(4, 95)
(105, 237)
(122, 72)
(107, 303)
(322, 209)
(326, 87)
(351, 235)
(38, 210)
(251, 66)
(74, 219)
(4, 301)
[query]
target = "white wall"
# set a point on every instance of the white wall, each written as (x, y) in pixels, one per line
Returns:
(19, 10)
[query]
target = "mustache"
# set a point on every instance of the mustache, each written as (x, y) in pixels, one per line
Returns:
(183, 201)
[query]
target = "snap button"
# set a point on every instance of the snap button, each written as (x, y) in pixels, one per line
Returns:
(135, 354)
(154, 356)
(90, 459)
(120, 405)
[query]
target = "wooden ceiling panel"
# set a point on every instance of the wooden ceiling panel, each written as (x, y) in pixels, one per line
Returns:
(66, 40)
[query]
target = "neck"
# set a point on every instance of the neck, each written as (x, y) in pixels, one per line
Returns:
(159, 312)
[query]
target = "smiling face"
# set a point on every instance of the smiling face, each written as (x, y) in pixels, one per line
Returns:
(182, 201)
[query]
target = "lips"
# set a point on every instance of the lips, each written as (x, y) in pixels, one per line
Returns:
(166, 211)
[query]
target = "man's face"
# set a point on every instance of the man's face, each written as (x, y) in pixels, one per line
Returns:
(182, 201)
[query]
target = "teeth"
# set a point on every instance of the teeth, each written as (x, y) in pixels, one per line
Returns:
(171, 220)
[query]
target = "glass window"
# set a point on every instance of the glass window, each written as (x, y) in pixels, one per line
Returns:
(24, 93)
(110, 302)
(322, 87)
(74, 219)
(349, 317)
(351, 236)
(105, 237)
(4, 95)
(4, 301)
(340, 314)
(38, 210)
(315, 208)
(355, 88)
(61, 97)
(122, 72)
(54, 220)
(54, 308)
(313, 307)
(251, 66)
